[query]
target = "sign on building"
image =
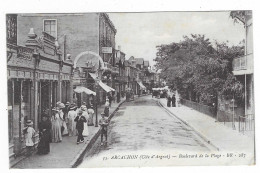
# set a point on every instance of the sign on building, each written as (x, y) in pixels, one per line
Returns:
(106, 49)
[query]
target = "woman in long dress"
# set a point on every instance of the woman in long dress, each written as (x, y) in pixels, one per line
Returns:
(91, 115)
(56, 127)
(85, 114)
(106, 110)
(45, 136)
(71, 123)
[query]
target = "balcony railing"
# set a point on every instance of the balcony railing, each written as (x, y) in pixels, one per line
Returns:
(243, 63)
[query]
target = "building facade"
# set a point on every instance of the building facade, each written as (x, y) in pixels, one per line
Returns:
(88, 39)
(38, 77)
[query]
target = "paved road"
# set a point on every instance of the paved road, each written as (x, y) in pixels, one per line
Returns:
(142, 125)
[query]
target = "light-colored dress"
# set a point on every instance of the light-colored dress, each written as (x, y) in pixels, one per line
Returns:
(71, 123)
(63, 123)
(29, 136)
(85, 131)
(91, 115)
(56, 128)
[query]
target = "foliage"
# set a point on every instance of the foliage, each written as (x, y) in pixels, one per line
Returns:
(200, 69)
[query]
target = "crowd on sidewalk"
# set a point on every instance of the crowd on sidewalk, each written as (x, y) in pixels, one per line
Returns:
(65, 120)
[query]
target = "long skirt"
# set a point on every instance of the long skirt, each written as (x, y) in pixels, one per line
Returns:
(85, 131)
(168, 103)
(106, 111)
(90, 119)
(72, 127)
(44, 144)
(56, 131)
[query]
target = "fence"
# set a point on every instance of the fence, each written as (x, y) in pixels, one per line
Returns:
(246, 123)
(200, 107)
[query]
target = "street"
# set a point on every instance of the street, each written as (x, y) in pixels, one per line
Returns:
(142, 125)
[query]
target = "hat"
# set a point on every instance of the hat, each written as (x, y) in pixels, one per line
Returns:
(29, 122)
(55, 109)
(83, 103)
(80, 112)
(102, 113)
(68, 103)
(61, 105)
(73, 107)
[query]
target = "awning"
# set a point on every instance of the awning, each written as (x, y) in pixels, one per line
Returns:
(141, 85)
(94, 76)
(105, 87)
(101, 84)
(80, 89)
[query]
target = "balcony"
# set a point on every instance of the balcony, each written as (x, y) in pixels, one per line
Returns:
(243, 65)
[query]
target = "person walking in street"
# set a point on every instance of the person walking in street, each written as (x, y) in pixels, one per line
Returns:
(106, 111)
(118, 97)
(56, 127)
(85, 114)
(103, 122)
(29, 132)
(173, 101)
(91, 113)
(169, 100)
(80, 120)
(64, 129)
(110, 98)
(45, 136)
(71, 123)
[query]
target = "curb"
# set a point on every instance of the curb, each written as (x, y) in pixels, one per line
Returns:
(186, 123)
(79, 157)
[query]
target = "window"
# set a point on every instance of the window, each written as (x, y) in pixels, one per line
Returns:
(50, 27)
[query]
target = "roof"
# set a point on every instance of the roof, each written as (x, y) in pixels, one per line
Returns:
(139, 61)
(146, 63)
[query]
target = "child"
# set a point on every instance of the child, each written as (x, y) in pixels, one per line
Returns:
(103, 122)
(29, 133)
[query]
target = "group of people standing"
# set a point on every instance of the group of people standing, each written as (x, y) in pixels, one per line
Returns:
(66, 119)
(171, 101)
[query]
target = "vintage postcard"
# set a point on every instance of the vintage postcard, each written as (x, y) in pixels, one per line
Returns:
(130, 89)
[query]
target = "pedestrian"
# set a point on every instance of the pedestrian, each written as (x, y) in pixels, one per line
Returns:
(71, 123)
(106, 110)
(45, 135)
(56, 127)
(85, 114)
(173, 101)
(64, 129)
(169, 99)
(110, 98)
(80, 120)
(103, 122)
(29, 132)
(91, 113)
(118, 97)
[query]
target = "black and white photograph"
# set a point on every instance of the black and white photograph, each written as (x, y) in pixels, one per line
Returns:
(130, 89)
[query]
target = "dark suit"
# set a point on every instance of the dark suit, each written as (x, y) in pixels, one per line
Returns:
(80, 126)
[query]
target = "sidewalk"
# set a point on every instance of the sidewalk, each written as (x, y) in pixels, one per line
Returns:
(219, 135)
(67, 153)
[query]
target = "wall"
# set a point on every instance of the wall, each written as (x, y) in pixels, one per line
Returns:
(81, 30)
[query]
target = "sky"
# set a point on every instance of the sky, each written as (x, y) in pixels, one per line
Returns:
(138, 34)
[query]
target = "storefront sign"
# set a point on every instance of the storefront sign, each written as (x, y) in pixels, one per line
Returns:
(106, 49)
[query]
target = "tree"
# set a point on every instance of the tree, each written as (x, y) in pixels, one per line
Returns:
(199, 69)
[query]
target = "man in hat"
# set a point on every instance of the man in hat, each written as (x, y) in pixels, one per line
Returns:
(103, 122)
(80, 120)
